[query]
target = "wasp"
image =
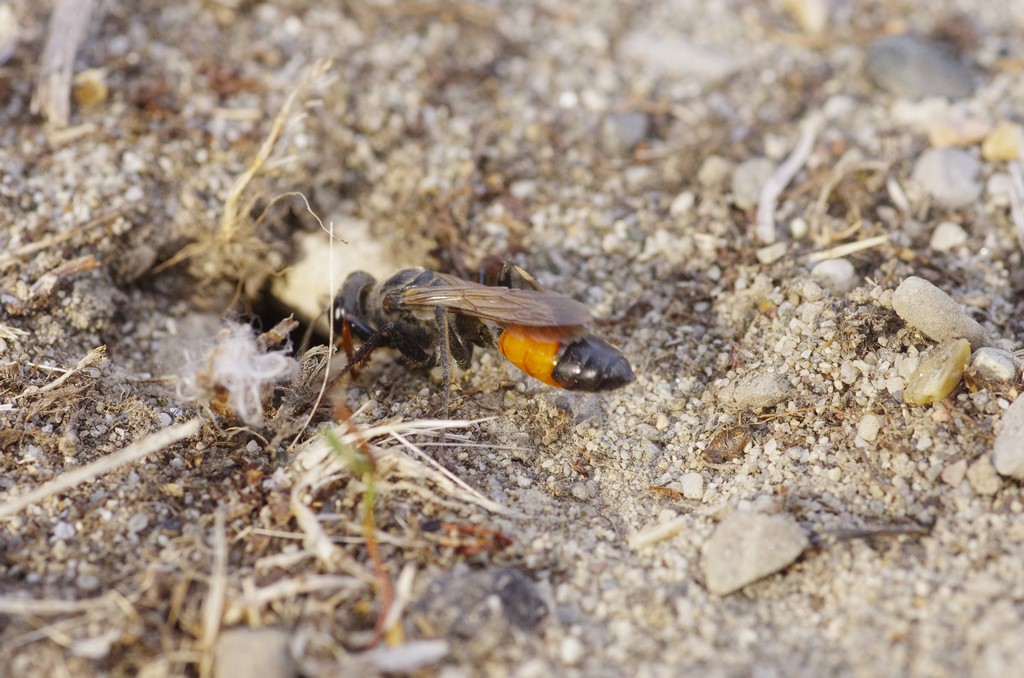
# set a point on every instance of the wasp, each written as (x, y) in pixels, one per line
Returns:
(433, 317)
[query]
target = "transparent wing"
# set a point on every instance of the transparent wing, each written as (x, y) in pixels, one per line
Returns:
(505, 306)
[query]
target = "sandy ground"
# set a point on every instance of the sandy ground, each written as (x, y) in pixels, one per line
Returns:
(595, 144)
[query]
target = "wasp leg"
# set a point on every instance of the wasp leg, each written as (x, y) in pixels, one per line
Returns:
(444, 356)
(500, 273)
(389, 336)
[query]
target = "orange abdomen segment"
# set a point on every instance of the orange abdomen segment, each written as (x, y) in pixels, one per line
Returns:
(534, 356)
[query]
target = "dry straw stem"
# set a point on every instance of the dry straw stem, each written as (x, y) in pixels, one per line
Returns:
(67, 29)
(254, 598)
(772, 189)
(846, 249)
(316, 465)
(229, 220)
(230, 217)
(1017, 199)
(213, 604)
(83, 474)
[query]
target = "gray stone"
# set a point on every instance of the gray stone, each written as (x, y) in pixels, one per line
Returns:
(947, 235)
(991, 368)
(1008, 450)
(983, 477)
(836, 275)
(623, 131)
(949, 176)
(935, 314)
(253, 652)
(748, 546)
(756, 390)
(911, 67)
(482, 607)
(692, 485)
(748, 179)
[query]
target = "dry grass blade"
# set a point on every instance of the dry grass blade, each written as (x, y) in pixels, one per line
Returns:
(94, 357)
(213, 605)
(847, 249)
(83, 474)
(230, 218)
(40, 608)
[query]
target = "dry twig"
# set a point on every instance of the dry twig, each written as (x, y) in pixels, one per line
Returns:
(772, 189)
(66, 32)
(97, 356)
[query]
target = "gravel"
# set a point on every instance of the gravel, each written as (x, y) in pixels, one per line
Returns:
(560, 533)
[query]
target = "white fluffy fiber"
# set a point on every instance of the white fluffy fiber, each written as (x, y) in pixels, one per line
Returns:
(243, 369)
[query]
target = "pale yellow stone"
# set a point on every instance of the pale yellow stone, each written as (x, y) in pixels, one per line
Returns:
(1003, 142)
(938, 373)
(810, 15)
(91, 87)
(958, 133)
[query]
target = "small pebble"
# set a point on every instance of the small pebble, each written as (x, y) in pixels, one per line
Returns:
(962, 133)
(714, 171)
(799, 228)
(91, 87)
(747, 181)
(869, 426)
(757, 390)
(623, 131)
(1008, 450)
(935, 314)
(692, 485)
(938, 373)
(253, 652)
(949, 176)
(1003, 143)
(911, 67)
(954, 474)
(483, 608)
(163, 420)
(811, 291)
(138, 522)
(1000, 189)
(991, 368)
(838, 276)
(661, 423)
(772, 253)
(947, 235)
(810, 15)
(682, 204)
(983, 477)
(748, 546)
(63, 530)
(9, 32)
(173, 490)
(571, 651)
